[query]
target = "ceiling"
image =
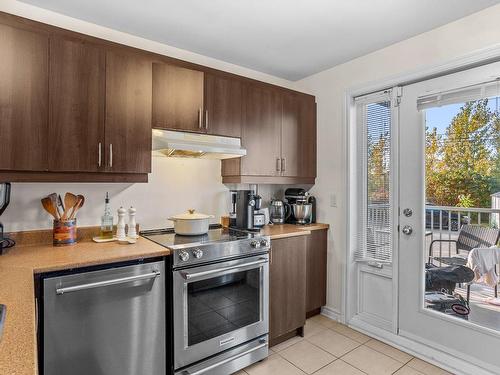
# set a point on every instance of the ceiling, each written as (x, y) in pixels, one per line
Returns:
(286, 38)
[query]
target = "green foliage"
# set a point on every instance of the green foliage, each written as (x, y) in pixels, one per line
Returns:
(463, 166)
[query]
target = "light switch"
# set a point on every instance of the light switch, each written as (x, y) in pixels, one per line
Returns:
(333, 200)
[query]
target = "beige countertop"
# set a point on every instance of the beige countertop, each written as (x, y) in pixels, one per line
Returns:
(277, 231)
(18, 345)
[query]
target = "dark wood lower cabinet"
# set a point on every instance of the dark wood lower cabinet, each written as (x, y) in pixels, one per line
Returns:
(316, 271)
(287, 287)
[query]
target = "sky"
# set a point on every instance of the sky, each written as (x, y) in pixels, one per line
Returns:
(440, 117)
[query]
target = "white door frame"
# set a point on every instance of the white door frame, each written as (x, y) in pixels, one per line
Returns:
(466, 61)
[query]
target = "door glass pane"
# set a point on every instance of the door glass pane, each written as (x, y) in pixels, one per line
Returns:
(222, 304)
(462, 164)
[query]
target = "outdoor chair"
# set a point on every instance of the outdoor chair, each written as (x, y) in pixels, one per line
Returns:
(469, 237)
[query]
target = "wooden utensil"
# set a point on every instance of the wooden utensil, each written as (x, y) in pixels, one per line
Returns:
(54, 199)
(70, 201)
(48, 205)
(79, 204)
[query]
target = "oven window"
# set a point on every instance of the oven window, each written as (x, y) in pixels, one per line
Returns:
(222, 304)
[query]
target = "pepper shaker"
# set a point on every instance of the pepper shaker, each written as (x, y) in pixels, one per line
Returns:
(120, 226)
(132, 232)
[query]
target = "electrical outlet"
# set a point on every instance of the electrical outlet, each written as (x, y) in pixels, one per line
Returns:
(333, 200)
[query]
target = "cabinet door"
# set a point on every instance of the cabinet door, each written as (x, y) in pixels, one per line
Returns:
(76, 106)
(223, 100)
(291, 141)
(177, 98)
(128, 113)
(261, 131)
(316, 269)
(298, 135)
(24, 60)
(287, 286)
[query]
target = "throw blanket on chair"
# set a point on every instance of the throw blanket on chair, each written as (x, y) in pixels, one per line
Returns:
(483, 262)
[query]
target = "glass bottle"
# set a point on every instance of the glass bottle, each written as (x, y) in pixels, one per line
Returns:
(107, 220)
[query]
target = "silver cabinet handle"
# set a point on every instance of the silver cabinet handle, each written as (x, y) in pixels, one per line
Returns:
(224, 361)
(200, 120)
(188, 275)
(283, 164)
(206, 119)
(99, 155)
(100, 284)
(111, 155)
(278, 164)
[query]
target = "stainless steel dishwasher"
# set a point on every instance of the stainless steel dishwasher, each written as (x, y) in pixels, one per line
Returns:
(105, 322)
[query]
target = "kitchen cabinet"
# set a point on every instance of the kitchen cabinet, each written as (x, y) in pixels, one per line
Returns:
(287, 286)
(177, 98)
(223, 105)
(24, 72)
(316, 261)
(279, 133)
(128, 112)
(76, 106)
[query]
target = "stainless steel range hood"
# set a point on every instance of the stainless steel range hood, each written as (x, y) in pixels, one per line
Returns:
(190, 145)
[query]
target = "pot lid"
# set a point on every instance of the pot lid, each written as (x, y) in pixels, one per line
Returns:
(191, 215)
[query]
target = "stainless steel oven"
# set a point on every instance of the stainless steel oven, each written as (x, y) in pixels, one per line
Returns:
(220, 312)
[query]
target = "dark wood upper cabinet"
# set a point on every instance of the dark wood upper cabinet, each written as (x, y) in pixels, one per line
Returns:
(287, 286)
(261, 132)
(127, 146)
(76, 106)
(177, 98)
(316, 259)
(24, 72)
(308, 137)
(223, 105)
(290, 135)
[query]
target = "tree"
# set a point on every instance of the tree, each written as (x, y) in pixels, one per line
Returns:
(462, 162)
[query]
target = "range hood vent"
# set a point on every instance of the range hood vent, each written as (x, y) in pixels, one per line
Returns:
(191, 145)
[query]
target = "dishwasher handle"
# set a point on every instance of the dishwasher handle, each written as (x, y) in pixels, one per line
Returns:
(152, 275)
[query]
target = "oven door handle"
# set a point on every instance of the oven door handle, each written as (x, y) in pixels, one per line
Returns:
(188, 275)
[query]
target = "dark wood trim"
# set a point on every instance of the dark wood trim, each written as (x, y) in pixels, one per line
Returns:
(26, 23)
(286, 336)
(312, 313)
(267, 180)
(13, 176)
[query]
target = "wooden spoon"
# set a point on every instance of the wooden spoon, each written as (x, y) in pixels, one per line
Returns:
(48, 205)
(79, 204)
(55, 202)
(70, 201)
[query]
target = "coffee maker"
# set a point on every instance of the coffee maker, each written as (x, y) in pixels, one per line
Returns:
(4, 202)
(245, 210)
(303, 206)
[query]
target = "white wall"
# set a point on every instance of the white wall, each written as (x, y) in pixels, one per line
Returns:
(174, 184)
(462, 37)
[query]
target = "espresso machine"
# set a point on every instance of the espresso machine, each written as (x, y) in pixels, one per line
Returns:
(303, 206)
(245, 209)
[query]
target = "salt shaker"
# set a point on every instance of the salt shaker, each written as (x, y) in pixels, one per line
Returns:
(132, 232)
(120, 226)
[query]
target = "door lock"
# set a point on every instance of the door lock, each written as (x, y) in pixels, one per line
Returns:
(407, 230)
(408, 212)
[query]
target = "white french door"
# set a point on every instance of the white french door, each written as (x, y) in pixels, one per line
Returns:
(442, 333)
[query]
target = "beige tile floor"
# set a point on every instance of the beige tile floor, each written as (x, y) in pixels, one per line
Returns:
(330, 348)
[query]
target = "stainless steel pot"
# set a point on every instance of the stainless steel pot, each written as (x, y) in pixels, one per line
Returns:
(191, 223)
(302, 212)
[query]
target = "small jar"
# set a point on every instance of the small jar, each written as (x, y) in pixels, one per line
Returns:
(64, 233)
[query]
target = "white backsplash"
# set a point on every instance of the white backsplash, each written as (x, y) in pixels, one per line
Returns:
(174, 186)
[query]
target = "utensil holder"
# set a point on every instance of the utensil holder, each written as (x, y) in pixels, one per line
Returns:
(64, 233)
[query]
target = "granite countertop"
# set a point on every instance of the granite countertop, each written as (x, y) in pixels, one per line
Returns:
(18, 344)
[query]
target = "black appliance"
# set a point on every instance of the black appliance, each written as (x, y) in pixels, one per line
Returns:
(5, 242)
(259, 219)
(245, 209)
(299, 195)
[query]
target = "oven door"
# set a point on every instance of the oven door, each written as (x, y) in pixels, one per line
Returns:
(219, 306)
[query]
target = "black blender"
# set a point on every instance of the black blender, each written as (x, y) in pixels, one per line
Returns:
(5, 242)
